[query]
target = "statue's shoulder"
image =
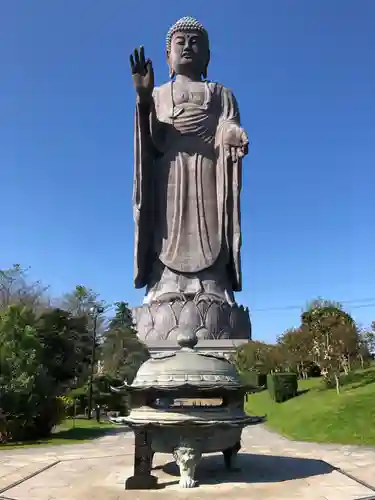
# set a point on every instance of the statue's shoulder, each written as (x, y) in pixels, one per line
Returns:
(165, 85)
(162, 94)
(219, 89)
(215, 87)
(162, 89)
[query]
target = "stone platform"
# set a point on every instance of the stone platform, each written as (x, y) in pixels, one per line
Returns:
(272, 468)
(221, 347)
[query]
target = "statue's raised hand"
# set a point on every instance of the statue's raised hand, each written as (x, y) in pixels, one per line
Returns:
(143, 74)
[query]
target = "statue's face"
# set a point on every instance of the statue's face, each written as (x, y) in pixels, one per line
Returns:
(189, 53)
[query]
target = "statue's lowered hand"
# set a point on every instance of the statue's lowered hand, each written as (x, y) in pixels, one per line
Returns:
(236, 141)
(143, 74)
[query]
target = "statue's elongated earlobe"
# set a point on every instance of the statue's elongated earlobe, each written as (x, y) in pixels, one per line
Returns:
(204, 72)
(172, 72)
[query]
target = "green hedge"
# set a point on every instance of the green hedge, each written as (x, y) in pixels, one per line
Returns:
(253, 378)
(282, 386)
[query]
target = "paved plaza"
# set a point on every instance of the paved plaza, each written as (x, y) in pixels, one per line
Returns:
(272, 467)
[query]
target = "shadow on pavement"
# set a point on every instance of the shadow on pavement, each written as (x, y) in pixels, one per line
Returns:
(254, 469)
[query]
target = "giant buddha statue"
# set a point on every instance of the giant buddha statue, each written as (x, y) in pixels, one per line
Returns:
(188, 151)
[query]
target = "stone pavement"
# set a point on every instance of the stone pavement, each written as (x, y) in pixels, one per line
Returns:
(272, 467)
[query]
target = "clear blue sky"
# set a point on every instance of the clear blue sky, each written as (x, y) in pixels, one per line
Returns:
(304, 75)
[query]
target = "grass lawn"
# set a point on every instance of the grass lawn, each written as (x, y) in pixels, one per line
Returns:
(320, 414)
(69, 432)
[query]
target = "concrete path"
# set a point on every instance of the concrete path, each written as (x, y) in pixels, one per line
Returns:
(272, 467)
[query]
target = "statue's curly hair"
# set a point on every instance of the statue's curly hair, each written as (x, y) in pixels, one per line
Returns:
(185, 24)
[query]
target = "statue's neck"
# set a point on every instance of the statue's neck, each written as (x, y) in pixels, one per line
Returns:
(184, 79)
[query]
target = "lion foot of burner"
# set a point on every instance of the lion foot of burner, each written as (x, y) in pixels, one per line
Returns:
(187, 482)
(187, 459)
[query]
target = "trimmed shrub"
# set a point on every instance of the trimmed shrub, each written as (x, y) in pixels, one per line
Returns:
(52, 413)
(282, 386)
(253, 378)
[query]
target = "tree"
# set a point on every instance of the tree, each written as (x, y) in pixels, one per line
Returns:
(257, 356)
(81, 301)
(370, 338)
(40, 356)
(334, 337)
(296, 347)
(123, 317)
(364, 346)
(122, 352)
(25, 386)
(275, 358)
(66, 346)
(15, 288)
(103, 395)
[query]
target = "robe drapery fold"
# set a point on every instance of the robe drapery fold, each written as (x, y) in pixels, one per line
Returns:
(186, 186)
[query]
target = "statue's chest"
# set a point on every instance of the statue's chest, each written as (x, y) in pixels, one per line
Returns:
(192, 95)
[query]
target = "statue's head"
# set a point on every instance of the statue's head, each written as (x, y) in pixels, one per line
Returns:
(188, 50)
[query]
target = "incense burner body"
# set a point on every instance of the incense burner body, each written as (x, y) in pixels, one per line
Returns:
(188, 403)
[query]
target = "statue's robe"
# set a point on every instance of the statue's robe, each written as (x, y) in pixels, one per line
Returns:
(186, 186)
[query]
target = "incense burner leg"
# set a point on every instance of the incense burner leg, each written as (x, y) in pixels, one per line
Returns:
(187, 458)
(230, 457)
(143, 455)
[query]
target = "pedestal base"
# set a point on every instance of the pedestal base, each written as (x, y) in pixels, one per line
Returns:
(208, 317)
